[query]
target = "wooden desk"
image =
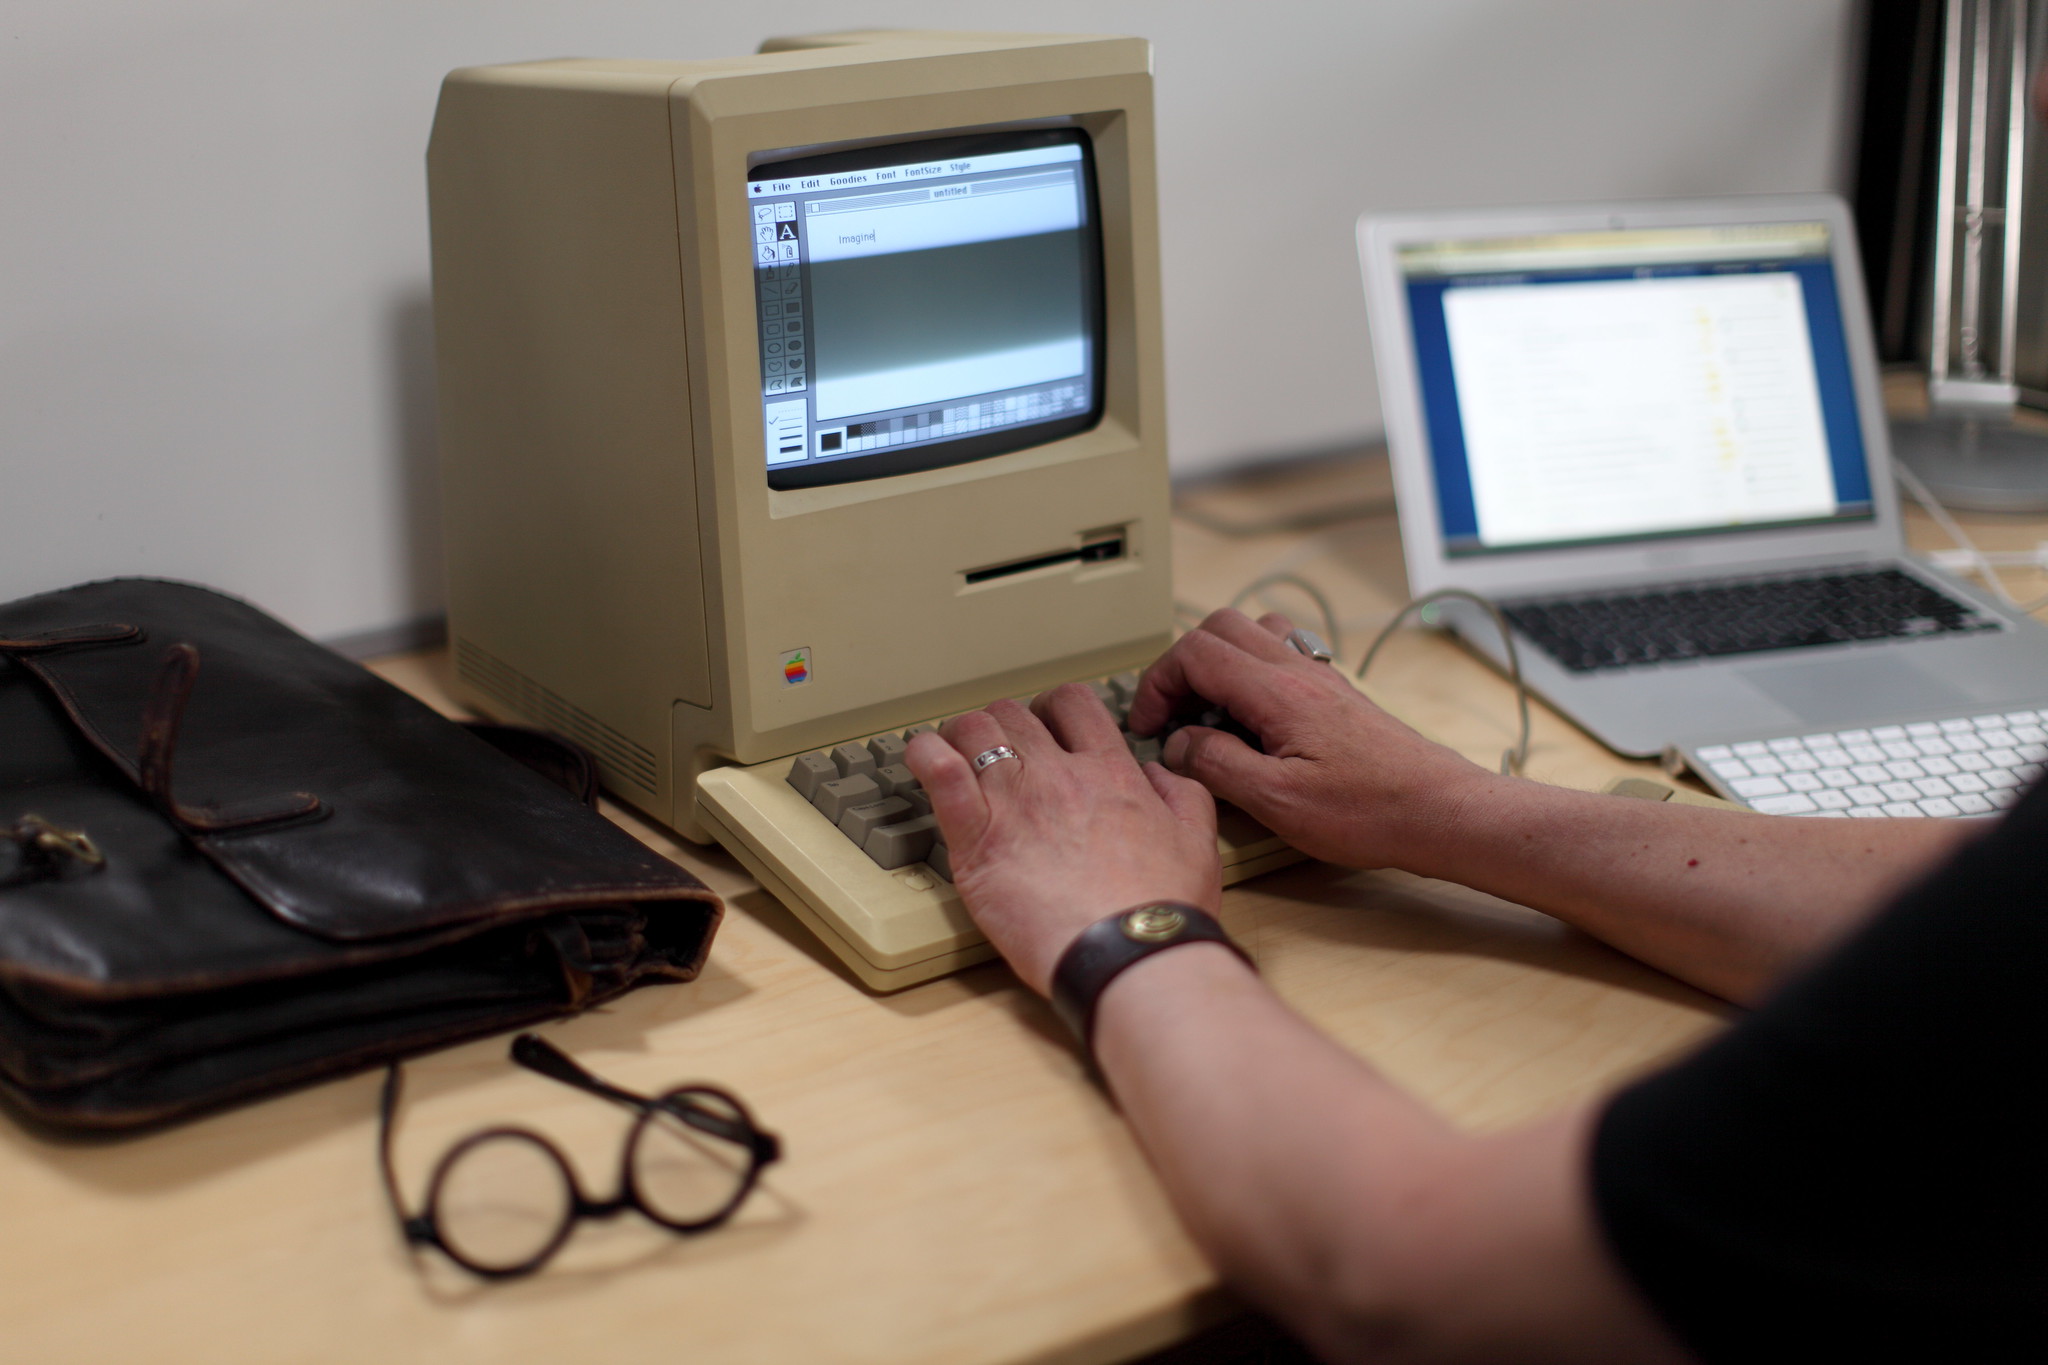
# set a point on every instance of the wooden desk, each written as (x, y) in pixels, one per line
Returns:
(954, 1189)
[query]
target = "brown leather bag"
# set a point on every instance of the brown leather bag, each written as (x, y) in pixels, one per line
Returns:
(233, 861)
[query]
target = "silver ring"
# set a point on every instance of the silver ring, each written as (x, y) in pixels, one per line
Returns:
(995, 755)
(1309, 643)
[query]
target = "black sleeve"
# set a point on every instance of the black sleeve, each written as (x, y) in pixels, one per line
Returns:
(1857, 1170)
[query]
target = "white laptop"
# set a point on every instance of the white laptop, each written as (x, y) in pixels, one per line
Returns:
(1654, 434)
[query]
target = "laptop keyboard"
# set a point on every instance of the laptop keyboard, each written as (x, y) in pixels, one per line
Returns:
(1616, 630)
(1969, 765)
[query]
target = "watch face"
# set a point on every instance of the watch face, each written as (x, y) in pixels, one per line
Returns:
(1153, 924)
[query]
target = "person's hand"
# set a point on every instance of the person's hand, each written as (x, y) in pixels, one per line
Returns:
(1340, 779)
(1068, 832)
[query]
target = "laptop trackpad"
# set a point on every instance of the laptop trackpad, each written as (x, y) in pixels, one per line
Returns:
(1825, 692)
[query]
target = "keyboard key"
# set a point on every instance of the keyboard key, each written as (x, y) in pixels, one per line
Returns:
(1730, 768)
(811, 771)
(1934, 744)
(1920, 729)
(1973, 763)
(1888, 734)
(1750, 788)
(1866, 813)
(1793, 803)
(1834, 758)
(1867, 753)
(853, 760)
(940, 860)
(1971, 804)
(1803, 782)
(2002, 799)
(1750, 747)
(1997, 739)
(1905, 768)
(1901, 810)
(902, 843)
(1869, 772)
(896, 780)
(1899, 749)
(1967, 782)
(1899, 791)
(1789, 745)
(1960, 725)
(1837, 777)
(1829, 799)
(886, 749)
(1940, 767)
(1935, 786)
(1848, 737)
(1865, 796)
(841, 794)
(1967, 744)
(1800, 763)
(1766, 763)
(1714, 751)
(1940, 805)
(857, 822)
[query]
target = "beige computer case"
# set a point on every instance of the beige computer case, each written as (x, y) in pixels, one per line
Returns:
(619, 569)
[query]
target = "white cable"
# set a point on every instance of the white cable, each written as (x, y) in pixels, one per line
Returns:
(1980, 563)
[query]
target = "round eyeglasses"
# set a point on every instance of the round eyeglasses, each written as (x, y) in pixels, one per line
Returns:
(501, 1202)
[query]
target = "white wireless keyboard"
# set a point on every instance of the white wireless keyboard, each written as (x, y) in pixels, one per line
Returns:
(1960, 766)
(844, 837)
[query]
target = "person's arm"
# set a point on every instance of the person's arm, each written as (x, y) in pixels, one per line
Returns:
(1727, 900)
(1337, 1202)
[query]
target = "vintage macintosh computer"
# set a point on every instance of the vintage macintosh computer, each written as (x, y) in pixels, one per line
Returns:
(792, 400)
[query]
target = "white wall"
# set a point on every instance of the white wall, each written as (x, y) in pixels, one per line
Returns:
(213, 262)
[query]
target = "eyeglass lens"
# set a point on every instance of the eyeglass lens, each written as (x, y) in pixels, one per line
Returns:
(685, 1174)
(502, 1201)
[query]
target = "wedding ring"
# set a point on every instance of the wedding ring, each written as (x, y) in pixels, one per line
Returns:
(995, 755)
(1309, 643)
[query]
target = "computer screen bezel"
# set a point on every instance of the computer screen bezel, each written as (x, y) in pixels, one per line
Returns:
(963, 449)
(1521, 570)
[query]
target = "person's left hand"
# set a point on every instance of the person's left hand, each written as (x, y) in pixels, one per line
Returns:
(1068, 832)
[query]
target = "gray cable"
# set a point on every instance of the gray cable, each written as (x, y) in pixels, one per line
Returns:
(1511, 760)
(1335, 637)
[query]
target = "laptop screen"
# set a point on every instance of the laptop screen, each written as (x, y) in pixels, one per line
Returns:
(1589, 387)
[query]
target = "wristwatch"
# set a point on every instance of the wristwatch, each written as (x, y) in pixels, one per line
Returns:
(1108, 946)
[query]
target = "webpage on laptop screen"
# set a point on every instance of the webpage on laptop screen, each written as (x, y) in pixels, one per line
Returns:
(1586, 387)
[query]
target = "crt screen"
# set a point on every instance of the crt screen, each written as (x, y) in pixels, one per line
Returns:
(925, 303)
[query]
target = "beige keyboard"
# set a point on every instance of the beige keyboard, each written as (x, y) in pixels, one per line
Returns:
(845, 839)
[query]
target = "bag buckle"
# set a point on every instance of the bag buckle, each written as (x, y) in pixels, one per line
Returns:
(53, 842)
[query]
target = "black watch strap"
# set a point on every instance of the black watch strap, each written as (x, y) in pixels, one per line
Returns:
(1108, 946)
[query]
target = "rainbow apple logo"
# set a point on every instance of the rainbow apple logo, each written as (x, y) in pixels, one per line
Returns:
(796, 667)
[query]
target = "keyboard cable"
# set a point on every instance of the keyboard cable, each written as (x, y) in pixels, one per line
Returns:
(1511, 760)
